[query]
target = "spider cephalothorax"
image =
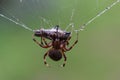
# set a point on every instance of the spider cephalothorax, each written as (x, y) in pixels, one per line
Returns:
(59, 42)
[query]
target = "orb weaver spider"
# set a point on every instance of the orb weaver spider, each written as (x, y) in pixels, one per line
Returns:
(58, 45)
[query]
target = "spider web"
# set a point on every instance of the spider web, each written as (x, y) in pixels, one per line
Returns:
(7, 14)
(82, 27)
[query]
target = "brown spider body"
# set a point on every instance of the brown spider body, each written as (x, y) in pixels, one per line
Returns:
(58, 44)
(55, 54)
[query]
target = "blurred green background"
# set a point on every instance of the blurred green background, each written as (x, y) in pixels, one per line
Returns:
(95, 57)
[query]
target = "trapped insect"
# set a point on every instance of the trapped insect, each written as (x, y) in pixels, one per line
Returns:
(58, 45)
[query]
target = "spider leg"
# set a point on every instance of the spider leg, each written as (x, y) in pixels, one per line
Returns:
(68, 40)
(46, 42)
(68, 49)
(45, 55)
(42, 40)
(65, 58)
(43, 46)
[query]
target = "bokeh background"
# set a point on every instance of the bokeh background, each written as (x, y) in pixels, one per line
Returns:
(95, 57)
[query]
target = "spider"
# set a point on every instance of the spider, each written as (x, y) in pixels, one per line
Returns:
(58, 45)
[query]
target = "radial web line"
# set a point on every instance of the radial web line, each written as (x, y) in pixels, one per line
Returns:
(71, 22)
(98, 15)
(71, 17)
(20, 24)
(46, 21)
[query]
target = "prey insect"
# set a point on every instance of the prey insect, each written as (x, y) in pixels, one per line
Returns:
(58, 44)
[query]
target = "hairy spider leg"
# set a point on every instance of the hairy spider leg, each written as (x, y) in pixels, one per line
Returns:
(42, 40)
(41, 44)
(65, 59)
(68, 49)
(44, 46)
(68, 40)
(45, 55)
(45, 42)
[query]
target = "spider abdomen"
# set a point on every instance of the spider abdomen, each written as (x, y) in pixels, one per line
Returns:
(55, 54)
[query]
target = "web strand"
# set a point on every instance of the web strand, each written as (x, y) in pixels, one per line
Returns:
(102, 12)
(71, 24)
(46, 21)
(20, 24)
